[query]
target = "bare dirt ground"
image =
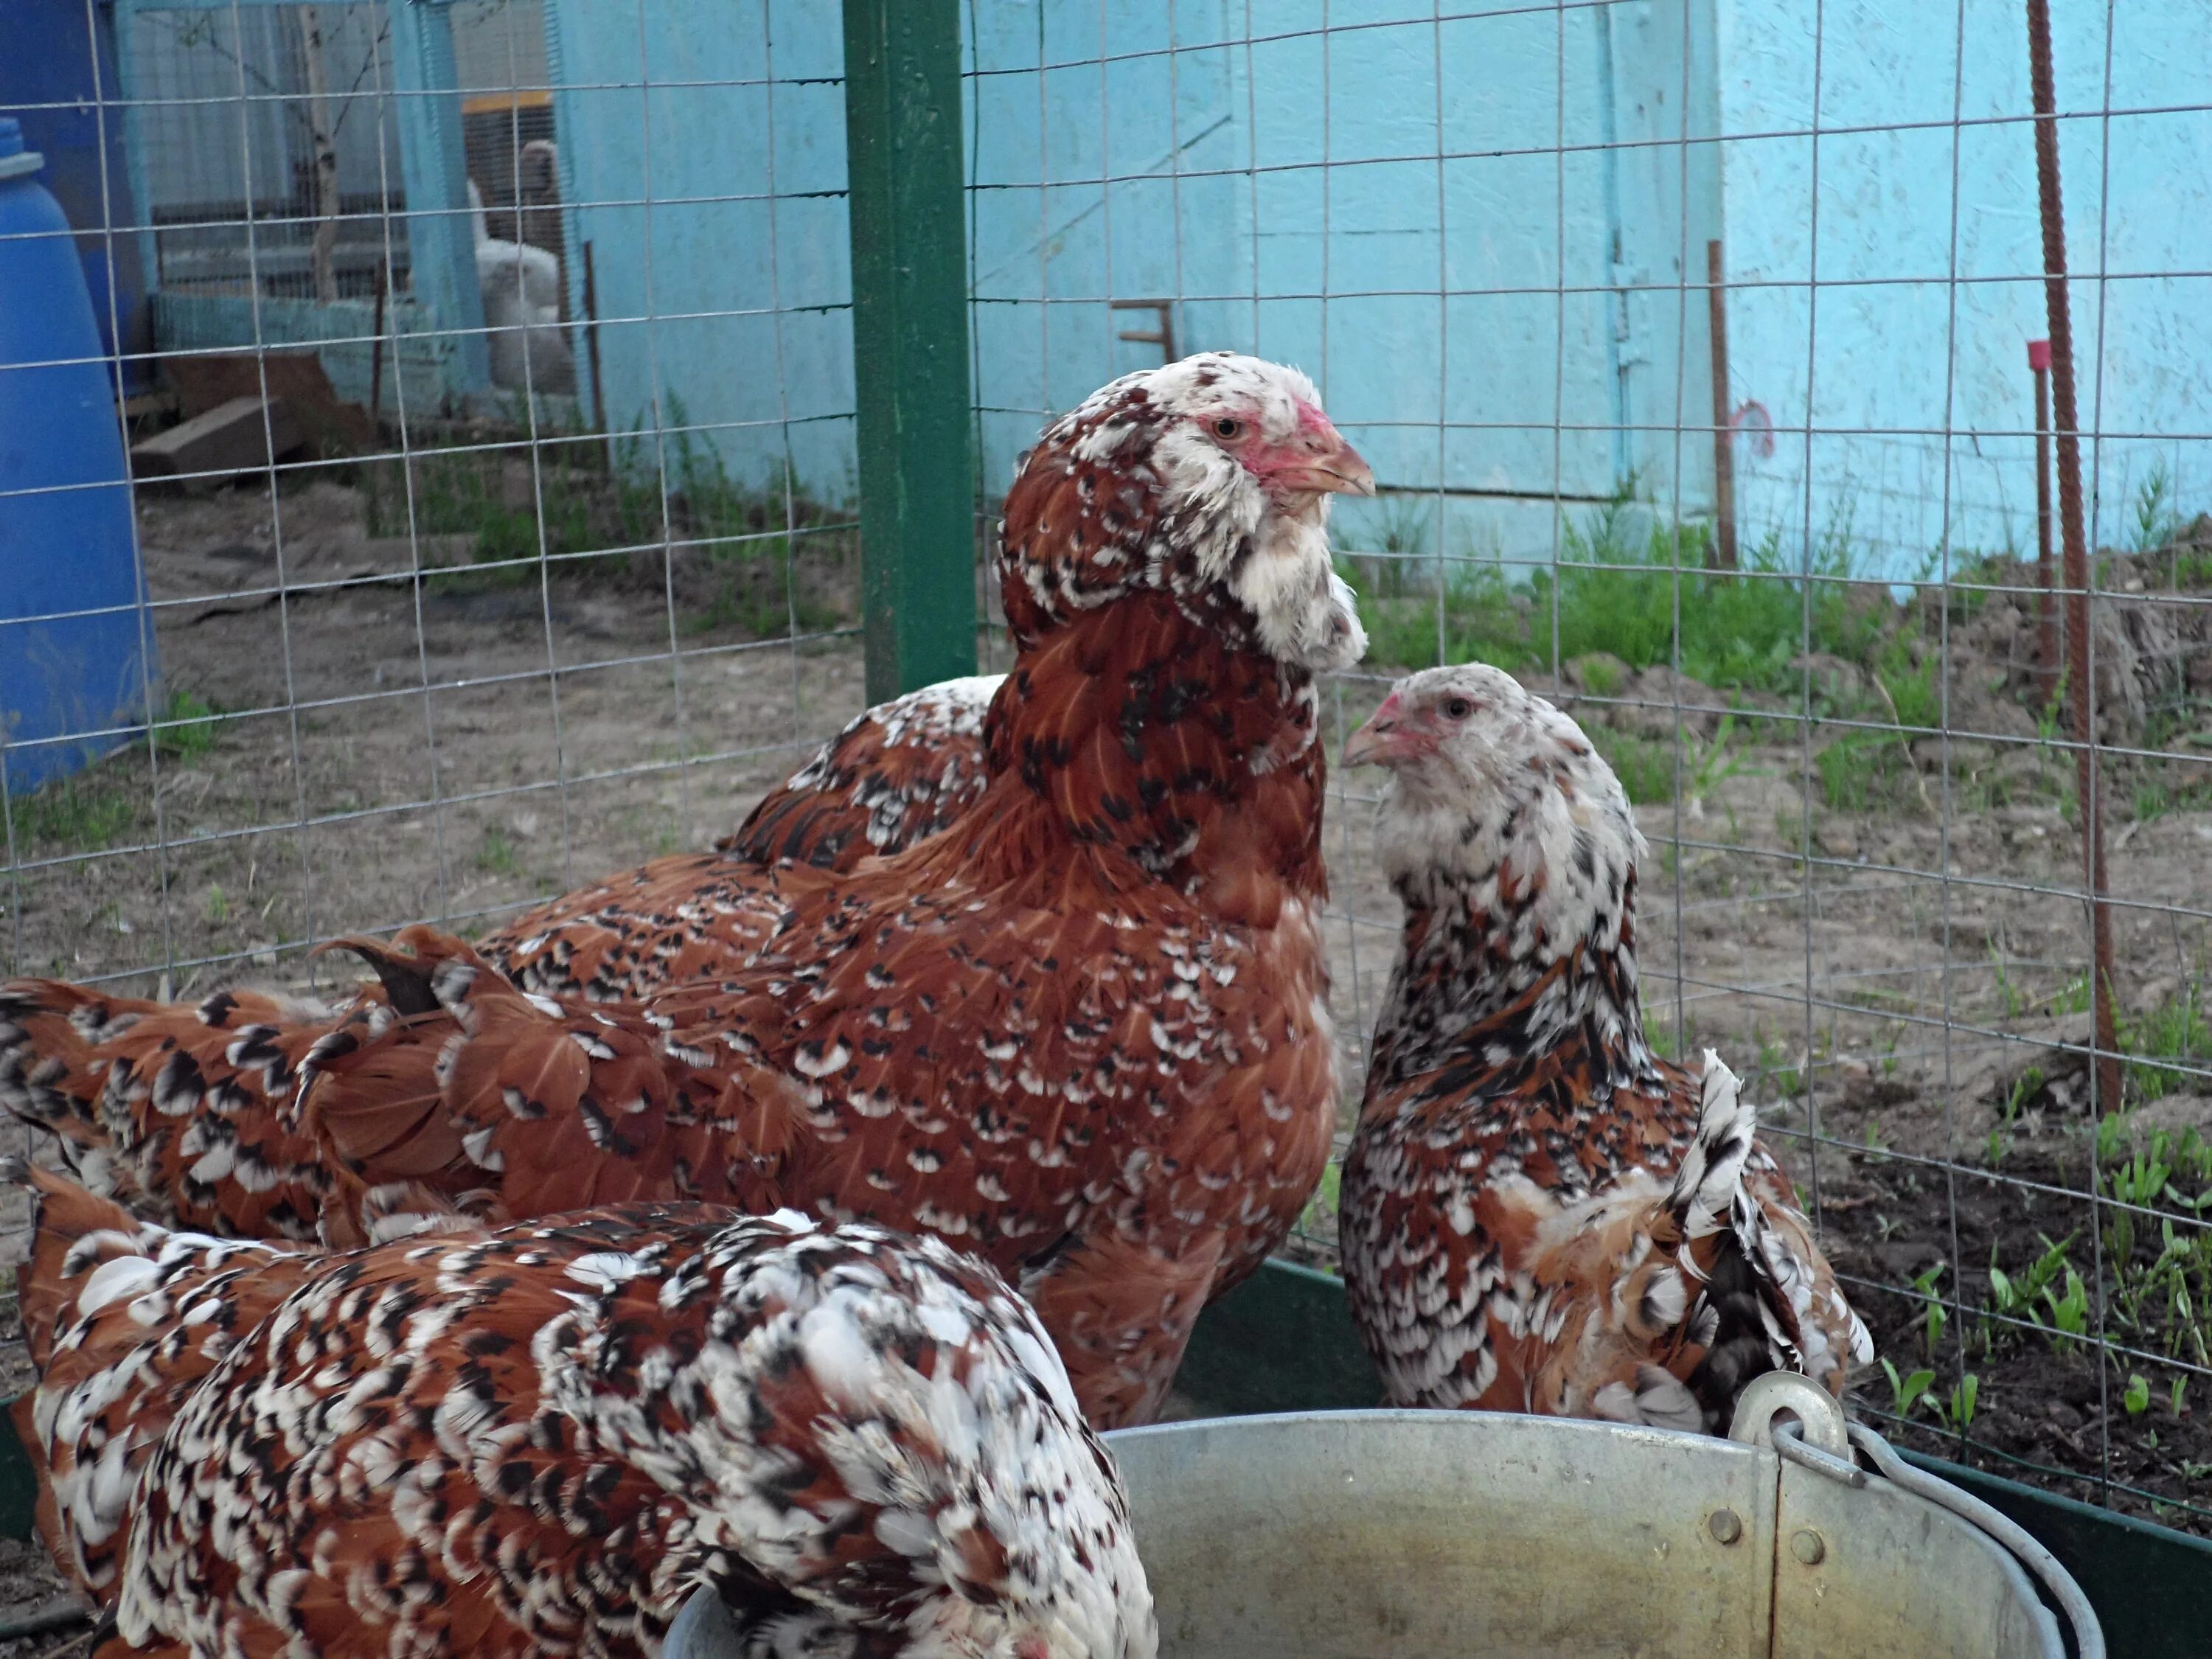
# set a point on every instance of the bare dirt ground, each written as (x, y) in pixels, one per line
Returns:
(385, 748)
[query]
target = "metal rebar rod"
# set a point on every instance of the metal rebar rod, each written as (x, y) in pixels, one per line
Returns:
(1724, 556)
(2038, 364)
(2066, 431)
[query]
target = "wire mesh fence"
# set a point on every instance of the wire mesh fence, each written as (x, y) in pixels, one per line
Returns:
(548, 580)
(1486, 230)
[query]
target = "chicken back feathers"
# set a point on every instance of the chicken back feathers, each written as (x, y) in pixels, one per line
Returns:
(183, 1109)
(1539, 1213)
(897, 775)
(894, 776)
(539, 1439)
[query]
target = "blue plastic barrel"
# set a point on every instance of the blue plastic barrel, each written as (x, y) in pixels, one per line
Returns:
(76, 642)
(59, 73)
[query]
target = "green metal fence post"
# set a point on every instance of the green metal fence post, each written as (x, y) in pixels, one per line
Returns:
(910, 340)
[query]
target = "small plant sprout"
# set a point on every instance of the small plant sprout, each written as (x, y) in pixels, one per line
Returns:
(2173, 1396)
(2136, 1400)
(1907, 1392)
(1965, 1393)
(1934, 1319)
(2070, 1314)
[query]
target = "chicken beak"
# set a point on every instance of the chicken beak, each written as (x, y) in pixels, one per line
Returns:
(1385, 740)
(1347, 473)
(1334, 467)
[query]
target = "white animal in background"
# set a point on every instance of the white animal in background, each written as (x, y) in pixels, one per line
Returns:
(537, 195)
(521, 289)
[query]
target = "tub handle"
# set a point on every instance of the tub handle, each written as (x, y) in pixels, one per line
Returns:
(2056, 1582)
(1819, 1413)
(1822, 1439)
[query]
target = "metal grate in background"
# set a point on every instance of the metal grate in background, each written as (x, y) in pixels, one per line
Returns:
(541, 593)
(470, 638)
(1486, 230)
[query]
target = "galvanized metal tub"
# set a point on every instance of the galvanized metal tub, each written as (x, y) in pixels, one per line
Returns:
(1391, 1534)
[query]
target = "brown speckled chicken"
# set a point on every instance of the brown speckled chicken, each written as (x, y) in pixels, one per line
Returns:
(897, 775)
(183, 1110)
(1084, 1032)
(539, 1439)
(1539, 1213)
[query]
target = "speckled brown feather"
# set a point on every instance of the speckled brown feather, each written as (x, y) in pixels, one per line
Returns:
(897, 775)
(1086, 1035)
(537, 1440)
(110, 1384)
(178, 1109)
(1022, 1038)
(1511, 1239)
(211, 1147)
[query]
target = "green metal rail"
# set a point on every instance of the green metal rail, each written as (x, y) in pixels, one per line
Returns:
(910, 340)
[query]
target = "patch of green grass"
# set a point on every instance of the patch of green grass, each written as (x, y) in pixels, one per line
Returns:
(185, 730)
(521, 510)
(216, 904)
(1645, 766)
(1615, 592)
(2155, 796)
(108, 801)
(2175, 1030)
(495, 856)
(1853, 768)
(1601, 675)
(85, 811)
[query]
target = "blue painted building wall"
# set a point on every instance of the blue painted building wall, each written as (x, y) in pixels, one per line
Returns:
(1890, 352)
(1521, 320)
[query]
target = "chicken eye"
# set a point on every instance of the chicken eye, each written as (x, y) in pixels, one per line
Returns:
(1228, 426)
(1459, 709)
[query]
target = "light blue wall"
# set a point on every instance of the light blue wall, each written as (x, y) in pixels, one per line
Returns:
(704, 148)
(1887, 363)
(1290, 190)
(1317, 225)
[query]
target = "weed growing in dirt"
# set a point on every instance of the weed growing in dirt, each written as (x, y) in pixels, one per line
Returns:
(185, 730)
(2157, 522)
(1933, 1318)
(1614, 591)
(94, 808)
(2155, 797)
(2025, 1088)
(84, 813)
(2174, 1031)
(600, 508)
(496, 855)
(1906, 1391)
(1646, 766)
(1917, 1390)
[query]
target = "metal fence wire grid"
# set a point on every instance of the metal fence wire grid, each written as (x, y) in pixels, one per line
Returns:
(516, 491)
